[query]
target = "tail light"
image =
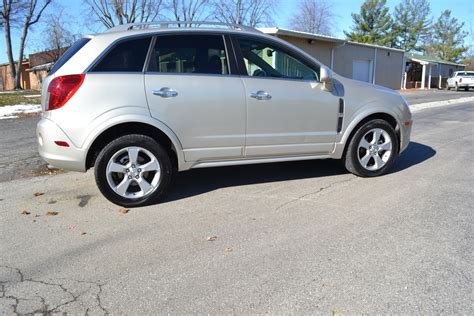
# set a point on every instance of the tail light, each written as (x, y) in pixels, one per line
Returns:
(61, 89)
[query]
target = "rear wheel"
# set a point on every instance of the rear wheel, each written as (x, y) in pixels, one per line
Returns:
(372, 150)
(133, 170)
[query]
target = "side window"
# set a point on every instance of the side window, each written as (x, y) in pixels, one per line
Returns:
(198, 54)
(127, 56)
(69, 53)
(264, 60)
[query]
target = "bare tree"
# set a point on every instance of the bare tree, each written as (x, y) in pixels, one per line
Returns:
(189, 10)
(314, 16)
(116, 12)
(245, 12)
(28, 13)
(58, 34)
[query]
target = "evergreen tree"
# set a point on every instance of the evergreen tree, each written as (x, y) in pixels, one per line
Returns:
(411, 24)
(373, 24)
(446, 39)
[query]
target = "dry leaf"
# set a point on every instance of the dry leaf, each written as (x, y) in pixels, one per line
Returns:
(83, 233)
(228, 249)
(38, 193)
(51, 213)
(25, 213)
(123, 210)
(211, 238)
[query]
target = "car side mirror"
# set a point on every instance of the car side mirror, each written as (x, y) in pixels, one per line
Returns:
(326, 78)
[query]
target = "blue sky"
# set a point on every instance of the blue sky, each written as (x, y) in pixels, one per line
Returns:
(81, 23)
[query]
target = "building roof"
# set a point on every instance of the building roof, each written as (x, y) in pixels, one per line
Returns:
(25, 61)
(429, 60)
(306, 35)
(46, 66)
(320, 37)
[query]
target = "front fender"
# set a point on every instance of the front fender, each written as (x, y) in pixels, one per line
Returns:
(355, 118)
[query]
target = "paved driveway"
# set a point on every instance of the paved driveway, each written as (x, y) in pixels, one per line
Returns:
(289, 237)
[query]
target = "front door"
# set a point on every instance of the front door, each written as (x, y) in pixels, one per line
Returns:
(288, 112)
(190, 88)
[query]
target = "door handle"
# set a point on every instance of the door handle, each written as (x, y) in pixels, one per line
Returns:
(165, 93)
(261, 95)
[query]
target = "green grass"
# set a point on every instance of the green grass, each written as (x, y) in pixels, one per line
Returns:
(19, 97)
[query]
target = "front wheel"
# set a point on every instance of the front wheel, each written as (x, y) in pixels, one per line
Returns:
(372, 150)
(133, 170)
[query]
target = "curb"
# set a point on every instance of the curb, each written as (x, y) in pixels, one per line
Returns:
(422, 106)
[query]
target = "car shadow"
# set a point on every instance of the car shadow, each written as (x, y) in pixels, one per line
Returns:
(415, 154)
(199, 181)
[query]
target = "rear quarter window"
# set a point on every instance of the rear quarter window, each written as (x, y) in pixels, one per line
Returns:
(69, 53)
(126, 56)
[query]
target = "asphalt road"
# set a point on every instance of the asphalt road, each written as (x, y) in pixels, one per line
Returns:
(19, 150)
(290, 237)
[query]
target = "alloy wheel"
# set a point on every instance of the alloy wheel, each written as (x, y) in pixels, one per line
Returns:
(133, 172)
(375, 149)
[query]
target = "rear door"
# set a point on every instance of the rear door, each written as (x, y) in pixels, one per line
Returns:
(191, 87)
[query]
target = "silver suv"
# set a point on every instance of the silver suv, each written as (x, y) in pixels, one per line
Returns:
(143, 101)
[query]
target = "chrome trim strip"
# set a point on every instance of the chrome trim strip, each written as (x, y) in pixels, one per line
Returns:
(186, 74)
(207, 164)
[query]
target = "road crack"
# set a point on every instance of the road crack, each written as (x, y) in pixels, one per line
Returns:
(302, 197)
(45, 309)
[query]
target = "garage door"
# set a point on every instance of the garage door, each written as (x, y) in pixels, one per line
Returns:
(362, 70)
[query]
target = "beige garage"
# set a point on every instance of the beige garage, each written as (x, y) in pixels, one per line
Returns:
(371, 63)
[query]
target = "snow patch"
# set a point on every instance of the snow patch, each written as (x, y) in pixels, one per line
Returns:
(12, 111)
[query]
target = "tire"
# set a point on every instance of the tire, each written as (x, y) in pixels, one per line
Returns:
(361, 157)
(133, 170)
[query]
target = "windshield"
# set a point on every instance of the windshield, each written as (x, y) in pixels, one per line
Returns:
(466, 74)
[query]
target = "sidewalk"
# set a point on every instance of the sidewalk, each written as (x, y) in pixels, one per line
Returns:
(433, 95)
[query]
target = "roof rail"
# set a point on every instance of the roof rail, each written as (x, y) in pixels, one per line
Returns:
(179, 24)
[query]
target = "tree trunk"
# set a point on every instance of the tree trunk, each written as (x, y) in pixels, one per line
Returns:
(8, 41)
(238, 16)
(20, 58)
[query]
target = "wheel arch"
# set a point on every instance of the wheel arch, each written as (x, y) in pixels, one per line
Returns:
(125, 128)
(389, 118)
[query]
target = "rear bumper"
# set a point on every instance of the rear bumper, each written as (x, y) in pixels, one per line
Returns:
(68, 158)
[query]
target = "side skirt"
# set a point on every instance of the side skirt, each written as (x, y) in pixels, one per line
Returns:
(208, 164)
